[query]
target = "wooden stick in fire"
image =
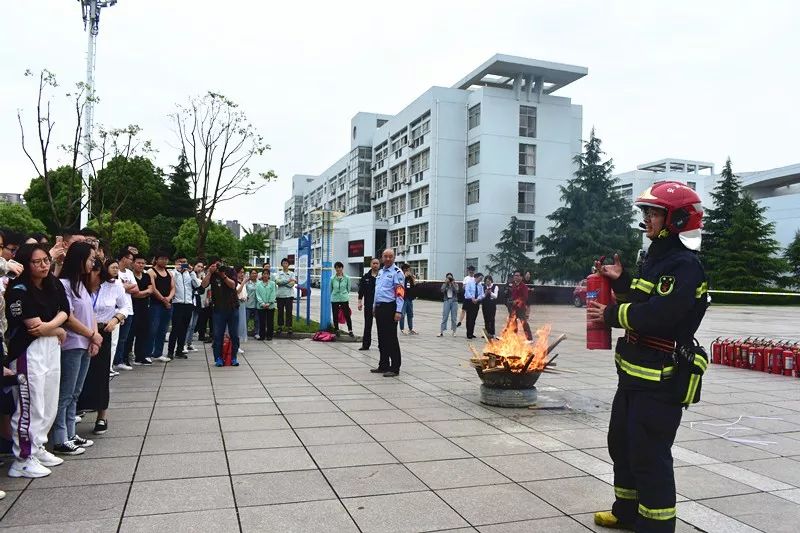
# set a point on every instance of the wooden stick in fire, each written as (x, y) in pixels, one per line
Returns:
(549, 349)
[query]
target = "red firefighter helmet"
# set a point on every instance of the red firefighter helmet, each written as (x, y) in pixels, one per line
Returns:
(683, 207)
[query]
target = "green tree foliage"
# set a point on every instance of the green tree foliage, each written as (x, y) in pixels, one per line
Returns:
(125, 232)
(219, 242)
(129, 189)
(65, 187)
(181, 204)
(595, 220)
(19, 218)
(161, 230)
(510, 254)
(753, 263)
(252, 243)
(792, 257)
(717, 220)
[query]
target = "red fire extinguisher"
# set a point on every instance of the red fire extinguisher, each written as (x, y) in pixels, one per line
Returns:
(726, 351)
(716, 351)
(776, 364)
(758, 363)
(598, 288)
(227, 351)
(788, 363)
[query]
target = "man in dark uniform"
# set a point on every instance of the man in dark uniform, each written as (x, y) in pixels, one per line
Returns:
(388, 308)
(660, 310)
(366, 299)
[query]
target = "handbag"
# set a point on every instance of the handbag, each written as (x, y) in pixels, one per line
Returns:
(341, 317)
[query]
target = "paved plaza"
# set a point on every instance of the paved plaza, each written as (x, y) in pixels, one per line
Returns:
(301, 437)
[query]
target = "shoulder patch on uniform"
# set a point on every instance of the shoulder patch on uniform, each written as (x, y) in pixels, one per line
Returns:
(665, 285)
(16, 308)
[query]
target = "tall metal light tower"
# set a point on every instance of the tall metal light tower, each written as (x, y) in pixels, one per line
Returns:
(91, 24)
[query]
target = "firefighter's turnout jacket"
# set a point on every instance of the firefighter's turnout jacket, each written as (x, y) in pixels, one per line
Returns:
(660, 310)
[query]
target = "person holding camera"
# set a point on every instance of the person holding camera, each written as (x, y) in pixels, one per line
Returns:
(450, 306)
(182, 307)
(222, 280)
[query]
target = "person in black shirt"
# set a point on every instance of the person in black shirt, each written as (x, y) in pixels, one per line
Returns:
(366, 291)
(141, 310)
(36, 309)
(224, 298)
(408, 302)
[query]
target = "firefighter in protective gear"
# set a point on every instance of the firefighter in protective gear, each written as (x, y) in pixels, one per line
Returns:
(660, 310)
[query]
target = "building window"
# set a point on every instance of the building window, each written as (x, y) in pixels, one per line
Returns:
(380, 211)
(419, 198)
(692, 185)
(527, 121)
(420, 162)
(418, 234)
(397, 175)
(397, 206)
(527, 234)
(470, 262)
(474, 116)
(473, 192)
(472, 231)
(526, 197)
(527, 159)
(397, 238)
(381, 122)
(474, 154)
(399, 140)
(379, 183)
(419, 268)
(419, 127)
(626, 191)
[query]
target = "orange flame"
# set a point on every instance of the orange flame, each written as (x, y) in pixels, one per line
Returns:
(513, 348)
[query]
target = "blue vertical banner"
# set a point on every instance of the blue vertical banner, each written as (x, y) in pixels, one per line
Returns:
(304, 279)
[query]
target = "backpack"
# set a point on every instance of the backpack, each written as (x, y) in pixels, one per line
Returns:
(323, 336)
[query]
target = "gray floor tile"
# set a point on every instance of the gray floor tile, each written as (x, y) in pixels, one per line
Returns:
(386, 416)
(761, 511)
(532, 467)
(336, 455)
(281, 487)
(108, 446)
(179, 413)
(328, 515)
(168, 444)
(454, 473)
(253, 423)
(488, 445)
(86, 472)
(562, 524)
(57, 505)
(412, 511)
(402, 431)
(697, 483)
(581, 438)
(424, 450)
(574, 495)
(313, 420)
(183, 465)
(267, 438)
(726, 451)
(179, 495)
(333, 435)
(317, 406)
(102, 525)
(780, 468)
(372, 480)
(214, 521)
(183, 426)
(462, 428)
(492, 504)
(251, 409)
(437, 413)
(269, 460)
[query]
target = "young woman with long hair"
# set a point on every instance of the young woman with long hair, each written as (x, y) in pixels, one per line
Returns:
(37, 308)
(83, 341)
(109, 310)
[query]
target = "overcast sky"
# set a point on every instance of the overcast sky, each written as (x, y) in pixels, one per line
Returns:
(686, 79)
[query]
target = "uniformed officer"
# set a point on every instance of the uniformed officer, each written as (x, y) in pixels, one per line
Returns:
(660, 310)
(388, 308)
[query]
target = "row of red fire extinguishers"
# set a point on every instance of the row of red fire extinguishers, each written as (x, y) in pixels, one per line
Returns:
(760, 354)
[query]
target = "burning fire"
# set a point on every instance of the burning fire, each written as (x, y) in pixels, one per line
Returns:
(513, 352)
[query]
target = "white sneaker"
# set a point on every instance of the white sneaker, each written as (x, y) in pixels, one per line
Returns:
(163, 359)
(454, 333)
(2, 494)
(30, 467)
(241, 351)
(78, 418)
(113, 374)
(256, 337)
(122, 366)
(191, 348)
(148, 359)
(183, 351)
(48, 459)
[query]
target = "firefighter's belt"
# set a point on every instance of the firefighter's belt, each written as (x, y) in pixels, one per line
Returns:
(656, 343)
(644, 372)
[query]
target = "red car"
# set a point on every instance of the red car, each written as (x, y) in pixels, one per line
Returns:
(579, 294)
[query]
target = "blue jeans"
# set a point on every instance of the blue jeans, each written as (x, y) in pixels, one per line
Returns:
(192, 325)
(450, 308)
(160, 318)
(221, 318)
(122, 344)
(253, 313)
(408, 311)
(74, 366)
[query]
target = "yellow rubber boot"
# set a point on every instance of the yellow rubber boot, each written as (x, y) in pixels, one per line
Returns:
(607, 519)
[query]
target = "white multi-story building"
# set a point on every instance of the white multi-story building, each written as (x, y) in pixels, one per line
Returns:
(440, 180)
(778, 189)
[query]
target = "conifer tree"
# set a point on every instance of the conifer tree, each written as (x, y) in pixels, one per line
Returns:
(510, 254)
(792, 257)
(717, 220)
(181, 205)
(595, 220)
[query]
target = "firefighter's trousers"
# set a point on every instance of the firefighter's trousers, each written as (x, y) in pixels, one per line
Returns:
(640, 437)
